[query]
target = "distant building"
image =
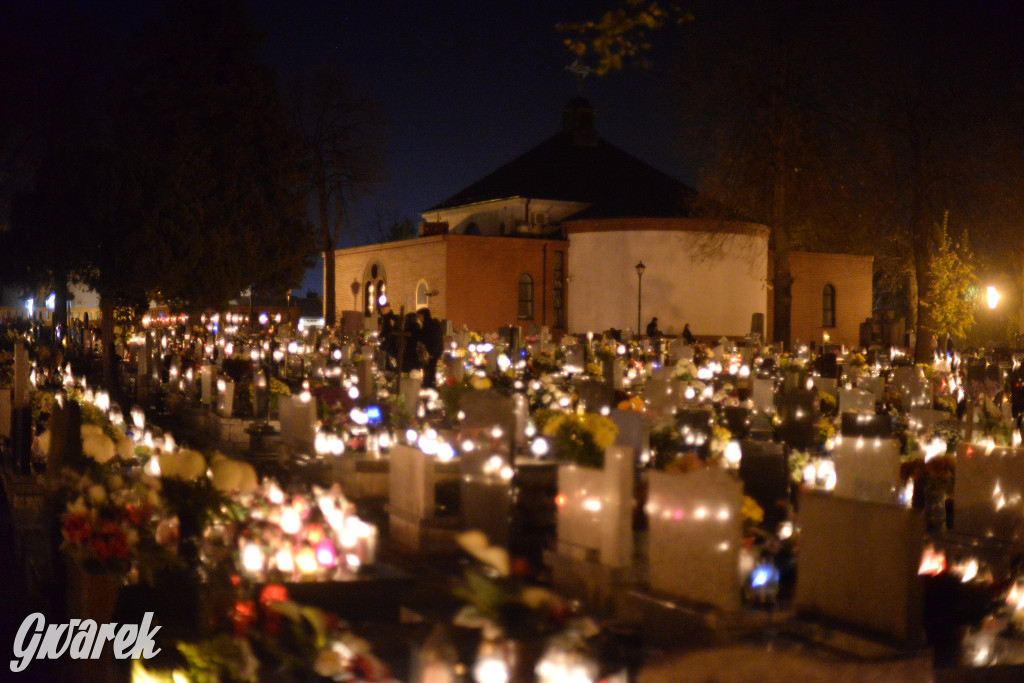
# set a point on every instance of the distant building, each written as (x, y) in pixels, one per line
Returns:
(553, 238)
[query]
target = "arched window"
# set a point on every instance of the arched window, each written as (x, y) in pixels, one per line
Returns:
(472, 229)
(422, 299)
(369, 298)
(525, 297)
(828, 306)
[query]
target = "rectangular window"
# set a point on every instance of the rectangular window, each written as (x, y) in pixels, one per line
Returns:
(828, 306)
(525, 308)
(559, 289)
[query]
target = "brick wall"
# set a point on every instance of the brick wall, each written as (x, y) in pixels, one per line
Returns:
(852, 278)
(483, 275)
(404, 264)
(476, 277)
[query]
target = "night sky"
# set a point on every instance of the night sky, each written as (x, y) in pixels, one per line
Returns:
(463, 87)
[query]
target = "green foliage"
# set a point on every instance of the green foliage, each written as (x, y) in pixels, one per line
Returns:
(952, 300)
(620, 37)
(218, 177)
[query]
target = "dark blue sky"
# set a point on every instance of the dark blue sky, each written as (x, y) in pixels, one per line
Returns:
(463, 87)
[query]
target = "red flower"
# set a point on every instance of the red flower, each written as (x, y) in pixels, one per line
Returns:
(77, 528)
(243, 616)
(117, 546)
(273, 592)
(99, 548)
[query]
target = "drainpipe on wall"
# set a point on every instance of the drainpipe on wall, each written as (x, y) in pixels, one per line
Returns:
(544, 286)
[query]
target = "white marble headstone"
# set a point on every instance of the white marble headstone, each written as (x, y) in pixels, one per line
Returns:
(858, 565)
(298, 422)
(634, 432)
(207, 379)
(595, 516)
(763, 395)
(695, 536)
(856, 400)
(226, 399)
(867, 468)
(988, 493)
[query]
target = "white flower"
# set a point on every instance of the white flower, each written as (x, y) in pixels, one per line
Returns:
(97, 494)
(476, 544)
(97, 445)
(233, 475)
(186, 464)
(125, 448)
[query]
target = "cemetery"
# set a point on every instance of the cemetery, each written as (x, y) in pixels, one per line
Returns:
(575, 510)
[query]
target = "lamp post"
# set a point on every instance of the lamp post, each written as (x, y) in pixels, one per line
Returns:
(640, 268)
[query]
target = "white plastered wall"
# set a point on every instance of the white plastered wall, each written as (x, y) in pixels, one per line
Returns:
(716, 294)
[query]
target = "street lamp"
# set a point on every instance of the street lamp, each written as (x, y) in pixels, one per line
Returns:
(640, 268)
(992, 294)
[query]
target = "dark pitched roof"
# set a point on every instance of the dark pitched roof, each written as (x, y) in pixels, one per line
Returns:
(577, 165)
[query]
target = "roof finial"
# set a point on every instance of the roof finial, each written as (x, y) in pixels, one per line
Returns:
(580, 71)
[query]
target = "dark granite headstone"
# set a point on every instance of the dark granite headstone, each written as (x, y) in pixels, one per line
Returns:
(866, 424)
(765, 474)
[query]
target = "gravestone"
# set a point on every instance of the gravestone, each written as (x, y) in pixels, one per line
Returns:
(867, 468)
(455, 367)
(415, 479)
(485, 491)
(226, 398)
(65, 437)
(763, 395)
(921, 420)
(798, 415)
(764, 472)
(875, 384)
(858, 565)
(574, 358)
(987, 493)
(595, 511)
(856, 401)
(595, 395)
(659, 397)
(207, 377)
(409, 390)
(737, 421)
(828, 385)
(694, 426)
(695, 536)
(367, 380)
(634, 432)
(298, 423)
(486, 409)
(866, 424)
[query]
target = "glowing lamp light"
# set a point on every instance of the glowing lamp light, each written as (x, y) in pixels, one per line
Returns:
(306, 562)
(733, 454)
(539, 447)
(252, 558)
(325, 555)
(933, 562)
(285, 560)
(264, 318)
(291, 521)
(51, 301)
(560, 500)
(991, 297)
